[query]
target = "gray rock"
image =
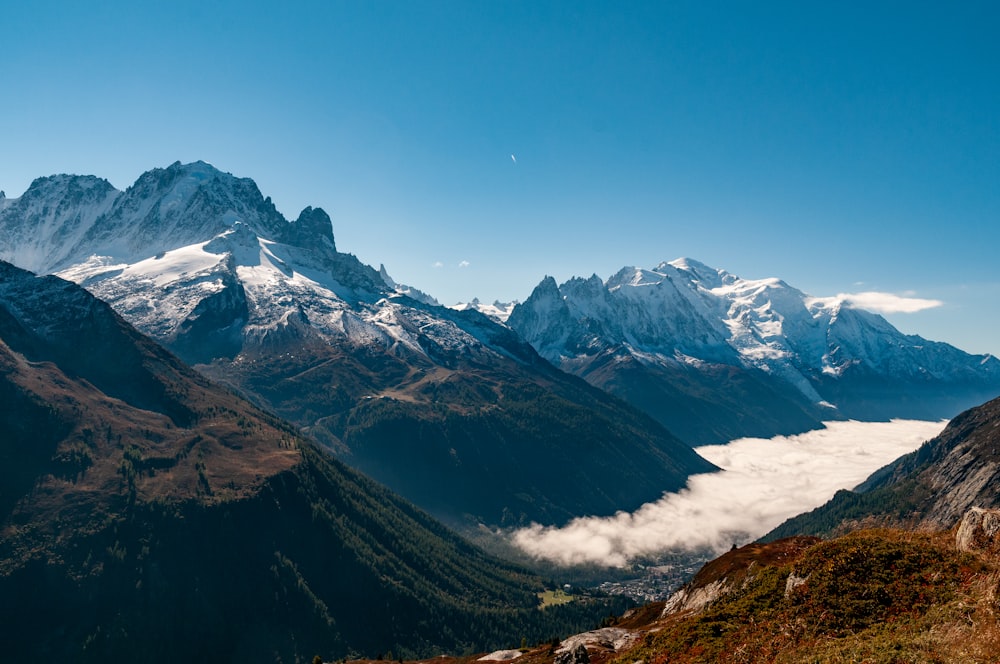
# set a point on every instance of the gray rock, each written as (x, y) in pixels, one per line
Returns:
(979, 531)
(577, 656)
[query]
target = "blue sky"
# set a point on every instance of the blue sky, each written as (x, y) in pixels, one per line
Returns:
(844, 147)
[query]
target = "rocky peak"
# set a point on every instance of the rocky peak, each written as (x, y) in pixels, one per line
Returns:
(312, 226)
(808, 348)
(578, 288)
(183, 204)
(39, 229)
(543, 315)
(384, 274)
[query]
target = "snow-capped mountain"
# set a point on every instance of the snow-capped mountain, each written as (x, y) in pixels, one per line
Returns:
(449, 408)
(188, 248)
(684, 321)
(498, 311)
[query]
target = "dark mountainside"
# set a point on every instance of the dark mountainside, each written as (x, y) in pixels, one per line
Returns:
(710, 404)
(930, 488)
(147, 515)
(450, 409)
(471, 438)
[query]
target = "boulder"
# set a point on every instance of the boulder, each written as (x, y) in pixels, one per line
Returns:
(577, 656)
(979, 531)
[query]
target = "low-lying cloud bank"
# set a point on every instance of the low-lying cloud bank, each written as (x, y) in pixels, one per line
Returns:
(764, 482)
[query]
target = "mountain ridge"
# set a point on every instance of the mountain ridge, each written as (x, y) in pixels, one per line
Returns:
(444, 406)
(792, 360)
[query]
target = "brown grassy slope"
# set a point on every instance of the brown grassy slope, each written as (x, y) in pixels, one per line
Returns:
(94, 416)
(72, 451)
(872, 596)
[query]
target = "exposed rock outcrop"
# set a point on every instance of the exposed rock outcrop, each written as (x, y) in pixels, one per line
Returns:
(694, 599)
(611, 639)
(734, 570)
(979, 531)
(576, 656)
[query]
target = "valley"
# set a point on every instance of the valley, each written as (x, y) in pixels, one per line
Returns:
(763, 482)
(222, 434)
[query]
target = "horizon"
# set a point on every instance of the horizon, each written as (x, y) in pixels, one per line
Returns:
(474, 148)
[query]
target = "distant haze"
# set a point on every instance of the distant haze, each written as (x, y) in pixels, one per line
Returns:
(763, 483)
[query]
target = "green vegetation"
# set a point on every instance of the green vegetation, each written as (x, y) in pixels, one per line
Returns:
(587, 455)
(872, 596)
(887, 505)
(555, 598)
(320, 560)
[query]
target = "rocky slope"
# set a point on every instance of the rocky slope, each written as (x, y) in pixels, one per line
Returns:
(713, 356)
(447, 407)
(148, 515)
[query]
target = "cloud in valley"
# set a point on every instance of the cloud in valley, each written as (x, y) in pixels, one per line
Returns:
(763, 483)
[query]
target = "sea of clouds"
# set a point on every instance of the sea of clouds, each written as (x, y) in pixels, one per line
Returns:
(763, 482)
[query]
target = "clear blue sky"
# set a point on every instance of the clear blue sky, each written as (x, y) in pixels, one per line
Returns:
(843, 147)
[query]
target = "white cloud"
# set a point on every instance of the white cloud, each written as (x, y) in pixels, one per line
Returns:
(437, 264)
(464, 264)
(764, 483)
(888, 303)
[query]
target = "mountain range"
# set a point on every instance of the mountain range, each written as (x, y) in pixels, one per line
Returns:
(714, 357)
(449, 408)
(154, 511)
(476, 419)
(147, 514)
